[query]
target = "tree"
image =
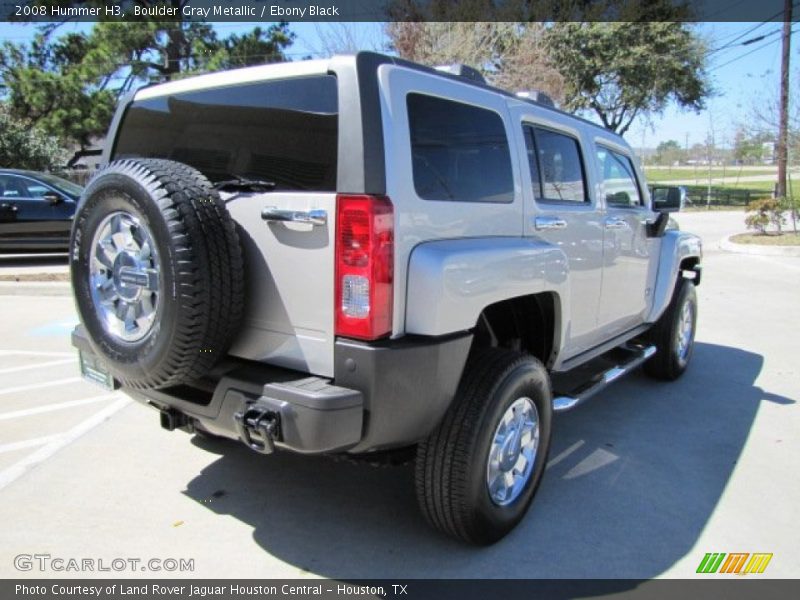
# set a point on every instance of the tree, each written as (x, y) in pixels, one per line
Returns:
(509, 55)
(344, 38)
(669, 153)
(23, 146)
(764, 117)
(255, 48)
(748, 148)
(69, 85)
(49, 84)
(621, 70)
(617, 58)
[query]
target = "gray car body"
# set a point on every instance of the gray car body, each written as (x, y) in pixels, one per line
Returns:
(452, 260)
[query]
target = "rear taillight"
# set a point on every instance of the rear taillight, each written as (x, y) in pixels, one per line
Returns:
(364, 266)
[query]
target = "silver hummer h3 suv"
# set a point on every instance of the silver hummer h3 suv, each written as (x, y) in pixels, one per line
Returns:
(363, 255)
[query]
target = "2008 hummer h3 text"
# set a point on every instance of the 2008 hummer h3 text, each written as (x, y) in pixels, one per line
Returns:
(362, 254)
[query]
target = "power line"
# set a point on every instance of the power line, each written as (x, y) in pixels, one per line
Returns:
(741, 56)
(741, 35)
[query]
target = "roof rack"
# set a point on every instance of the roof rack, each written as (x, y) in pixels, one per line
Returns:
(465, 71)
(537, 96)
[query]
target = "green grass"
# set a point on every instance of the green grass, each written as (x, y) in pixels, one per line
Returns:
(691, 175)
(762, 186)
(713, 207)
(770, 239)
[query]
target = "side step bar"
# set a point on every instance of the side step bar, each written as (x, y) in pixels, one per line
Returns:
(639, 354)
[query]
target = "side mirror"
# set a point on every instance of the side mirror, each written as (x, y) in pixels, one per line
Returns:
(668, 199)
(52, 198)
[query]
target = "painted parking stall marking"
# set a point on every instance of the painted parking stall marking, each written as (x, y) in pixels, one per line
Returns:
(44, 406)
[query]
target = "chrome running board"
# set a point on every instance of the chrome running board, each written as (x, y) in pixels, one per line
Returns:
(639, 354)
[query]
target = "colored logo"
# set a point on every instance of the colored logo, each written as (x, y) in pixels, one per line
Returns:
(735, 563)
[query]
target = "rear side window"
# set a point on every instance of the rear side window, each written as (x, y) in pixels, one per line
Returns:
(619, 179)
(557, 172)
(284, 131)
(459, 152)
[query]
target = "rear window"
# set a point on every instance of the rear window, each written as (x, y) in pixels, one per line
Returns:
(284, 131)
(459, 152)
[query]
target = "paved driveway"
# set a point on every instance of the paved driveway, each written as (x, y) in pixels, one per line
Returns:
(643, 480)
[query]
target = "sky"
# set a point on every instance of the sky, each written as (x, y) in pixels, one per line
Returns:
(742, 75)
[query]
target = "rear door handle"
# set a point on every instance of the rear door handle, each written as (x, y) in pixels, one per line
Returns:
(544, 223)
(615, 223)
(314, 217)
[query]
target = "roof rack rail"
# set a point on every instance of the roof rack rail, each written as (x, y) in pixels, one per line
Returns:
(461, 70)
(537, 96)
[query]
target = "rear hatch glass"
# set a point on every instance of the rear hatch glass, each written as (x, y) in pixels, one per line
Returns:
(283, 131)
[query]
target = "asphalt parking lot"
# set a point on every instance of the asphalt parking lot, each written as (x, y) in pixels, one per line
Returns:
(642, 482)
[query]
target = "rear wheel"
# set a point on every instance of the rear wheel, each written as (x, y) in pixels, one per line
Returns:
(673, 334)
(477, 473)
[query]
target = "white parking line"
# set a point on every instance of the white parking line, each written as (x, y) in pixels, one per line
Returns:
(29, 443)
(35, 386)
(19, 468)
(50, 363)
(564, 454)
(56, 406)
(34, 353)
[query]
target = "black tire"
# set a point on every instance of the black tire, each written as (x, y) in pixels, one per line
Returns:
(669, 362)
(451, 464)
(200, 303)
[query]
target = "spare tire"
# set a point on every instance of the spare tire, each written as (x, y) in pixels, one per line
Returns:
(157, 272)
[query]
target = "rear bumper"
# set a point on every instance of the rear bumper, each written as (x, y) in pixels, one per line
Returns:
(383, 395)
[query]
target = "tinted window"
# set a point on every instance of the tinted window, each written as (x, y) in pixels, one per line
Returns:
(619, 180)
(282, 131)
(36, 190)
(62, 185)
(459, 152)
(559, 176)
(13, 187)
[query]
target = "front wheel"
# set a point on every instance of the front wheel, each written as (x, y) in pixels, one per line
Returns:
(477, 473)
(673, 334)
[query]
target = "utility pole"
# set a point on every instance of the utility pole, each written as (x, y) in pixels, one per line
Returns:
(783, 134)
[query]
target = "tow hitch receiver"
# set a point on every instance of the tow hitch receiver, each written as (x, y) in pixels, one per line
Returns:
(259, 428)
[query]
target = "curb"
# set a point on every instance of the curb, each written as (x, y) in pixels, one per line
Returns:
(35, 288)
(728, 246)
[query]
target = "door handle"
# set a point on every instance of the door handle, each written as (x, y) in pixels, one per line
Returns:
(314, 217)
(614, 223)
(544, 223)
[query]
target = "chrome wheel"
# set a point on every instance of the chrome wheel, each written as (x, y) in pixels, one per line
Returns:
(685, 330)
(513, 452)
(125, 277)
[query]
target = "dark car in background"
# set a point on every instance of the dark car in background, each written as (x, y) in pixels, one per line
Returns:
(36, 211)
